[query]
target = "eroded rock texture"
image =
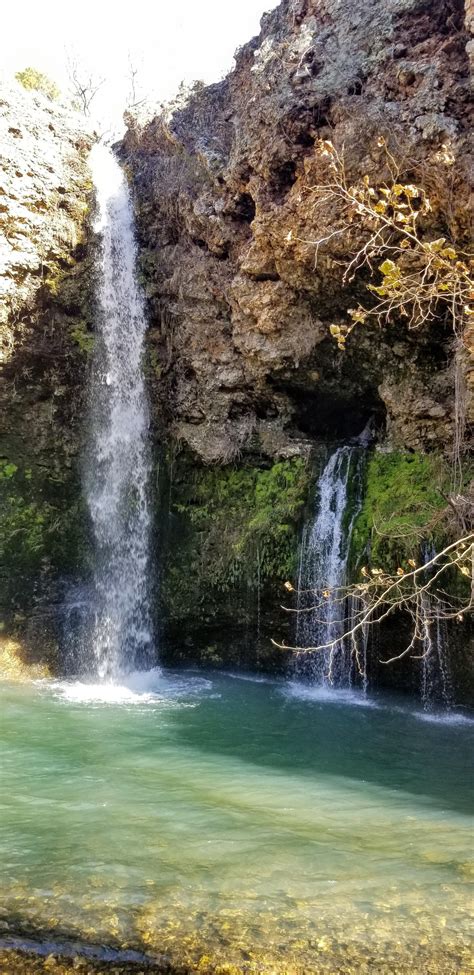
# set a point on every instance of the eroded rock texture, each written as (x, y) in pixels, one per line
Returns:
(45, 315)
(225, 192)
(44, 199)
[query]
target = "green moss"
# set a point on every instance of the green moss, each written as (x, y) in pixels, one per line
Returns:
(153, 363)
(7, 469)
(232, 530)
(41, 529)
(404, 496)
(83, 338)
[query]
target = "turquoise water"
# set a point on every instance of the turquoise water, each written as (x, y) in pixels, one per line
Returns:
(215, 818)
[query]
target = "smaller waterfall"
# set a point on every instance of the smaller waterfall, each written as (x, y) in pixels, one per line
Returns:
(436, 685)
(323, 564)
(436, 688)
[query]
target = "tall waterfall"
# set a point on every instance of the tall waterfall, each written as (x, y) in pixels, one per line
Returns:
(323, 563)
(117, 464)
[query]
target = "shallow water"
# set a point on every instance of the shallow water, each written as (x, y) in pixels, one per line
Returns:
(210, 819)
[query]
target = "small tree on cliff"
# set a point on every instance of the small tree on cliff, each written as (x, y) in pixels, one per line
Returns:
(419, 278)
(34, 80)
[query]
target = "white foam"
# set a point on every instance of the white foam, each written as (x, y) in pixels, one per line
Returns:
(101, 693)
(328, 695)
(443, 717)
(355, 698)
(138, 687)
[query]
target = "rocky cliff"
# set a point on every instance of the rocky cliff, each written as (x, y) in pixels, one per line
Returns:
(45, 314)
(243, 258)
(227, 190)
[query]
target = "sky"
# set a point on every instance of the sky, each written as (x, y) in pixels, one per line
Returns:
(169, 42)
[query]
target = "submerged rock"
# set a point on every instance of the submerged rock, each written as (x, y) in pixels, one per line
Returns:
(16, 665)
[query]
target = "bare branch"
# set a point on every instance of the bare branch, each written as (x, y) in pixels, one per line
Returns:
(415, 592)
(84, 84)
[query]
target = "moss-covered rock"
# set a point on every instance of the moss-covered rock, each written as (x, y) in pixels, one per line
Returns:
(406, 515)
(42, 532)
(232, 541)
(403, 502)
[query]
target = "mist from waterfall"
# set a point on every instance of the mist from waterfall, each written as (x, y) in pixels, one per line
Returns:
(323, 564)
(117, 464)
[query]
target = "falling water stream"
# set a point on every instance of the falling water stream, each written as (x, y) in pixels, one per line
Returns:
(323, 569)
(324, 555)
(436, 687)
(118, 462)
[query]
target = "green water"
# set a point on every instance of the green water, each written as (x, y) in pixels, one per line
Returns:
(215, 819)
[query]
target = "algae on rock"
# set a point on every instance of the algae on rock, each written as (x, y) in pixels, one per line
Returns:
(405, 495)
(231, 541)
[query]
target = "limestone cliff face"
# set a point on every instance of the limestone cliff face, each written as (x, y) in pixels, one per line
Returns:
(225, 197)
(45, 314)
(44, 199)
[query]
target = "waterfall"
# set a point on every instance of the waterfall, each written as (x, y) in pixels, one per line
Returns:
(436, 685)
(323, 564)
(117, 464)
(436, 688)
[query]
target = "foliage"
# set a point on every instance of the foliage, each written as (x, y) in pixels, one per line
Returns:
(420, 277)
(419, 591)
(24, 529)
(404, 503)
(239, 510)
(7, 469)
(84, 85)
(237, 528)
(153, 364)
(35, 80)
(40, 528)
(83, 338)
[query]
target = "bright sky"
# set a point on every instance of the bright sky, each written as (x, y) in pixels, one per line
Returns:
(169, 40)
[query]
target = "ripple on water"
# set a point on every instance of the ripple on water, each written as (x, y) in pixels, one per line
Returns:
(251, 678)
(327, 695)
(265, 833)
(357, 698)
